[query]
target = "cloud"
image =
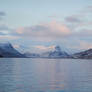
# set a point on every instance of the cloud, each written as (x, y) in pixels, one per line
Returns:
(2, 14)
(85, 33)
(6, 30)
(49, 31)
(80, 19)
(73, 19)
(8, 37)
(4, 33)
(4, 27)
(55, 16)
(89, 8)
(41, 47)
(82, 45)
(85, 45)
(7, 33)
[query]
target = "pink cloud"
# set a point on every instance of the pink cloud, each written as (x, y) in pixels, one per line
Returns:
(9, 37)
(51, 30)
(41, 47)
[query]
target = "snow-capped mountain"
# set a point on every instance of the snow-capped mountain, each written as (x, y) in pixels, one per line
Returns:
(7, 50)
(56, 53)
(84, 54)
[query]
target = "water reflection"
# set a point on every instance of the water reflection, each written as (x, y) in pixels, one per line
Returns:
(45, 75)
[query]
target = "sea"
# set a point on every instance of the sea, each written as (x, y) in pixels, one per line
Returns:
(45, 75)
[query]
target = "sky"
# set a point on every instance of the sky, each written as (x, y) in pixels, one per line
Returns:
(40, 25)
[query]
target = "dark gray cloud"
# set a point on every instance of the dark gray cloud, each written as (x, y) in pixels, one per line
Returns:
(6, 30)
(89, 8)
(2, 13)
(73, 19)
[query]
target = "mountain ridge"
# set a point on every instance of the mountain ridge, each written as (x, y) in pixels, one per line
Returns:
(87, 54)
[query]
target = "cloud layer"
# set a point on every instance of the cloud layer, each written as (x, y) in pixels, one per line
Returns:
(49, 31)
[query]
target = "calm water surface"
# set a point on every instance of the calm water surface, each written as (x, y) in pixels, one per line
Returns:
(45, 75)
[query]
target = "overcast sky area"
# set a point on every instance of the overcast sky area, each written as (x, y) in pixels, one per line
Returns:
(37, 25)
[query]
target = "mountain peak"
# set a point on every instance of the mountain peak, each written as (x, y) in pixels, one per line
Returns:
(57, 48)
(56, 53)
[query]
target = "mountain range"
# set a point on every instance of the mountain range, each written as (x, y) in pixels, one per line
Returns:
(8, 51)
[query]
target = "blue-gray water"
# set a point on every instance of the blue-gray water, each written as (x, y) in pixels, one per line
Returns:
(45, 75)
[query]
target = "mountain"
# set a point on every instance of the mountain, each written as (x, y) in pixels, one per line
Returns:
(56, 53)
(31, 55)
(7, 50)
(84, 54)
(1, 56)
